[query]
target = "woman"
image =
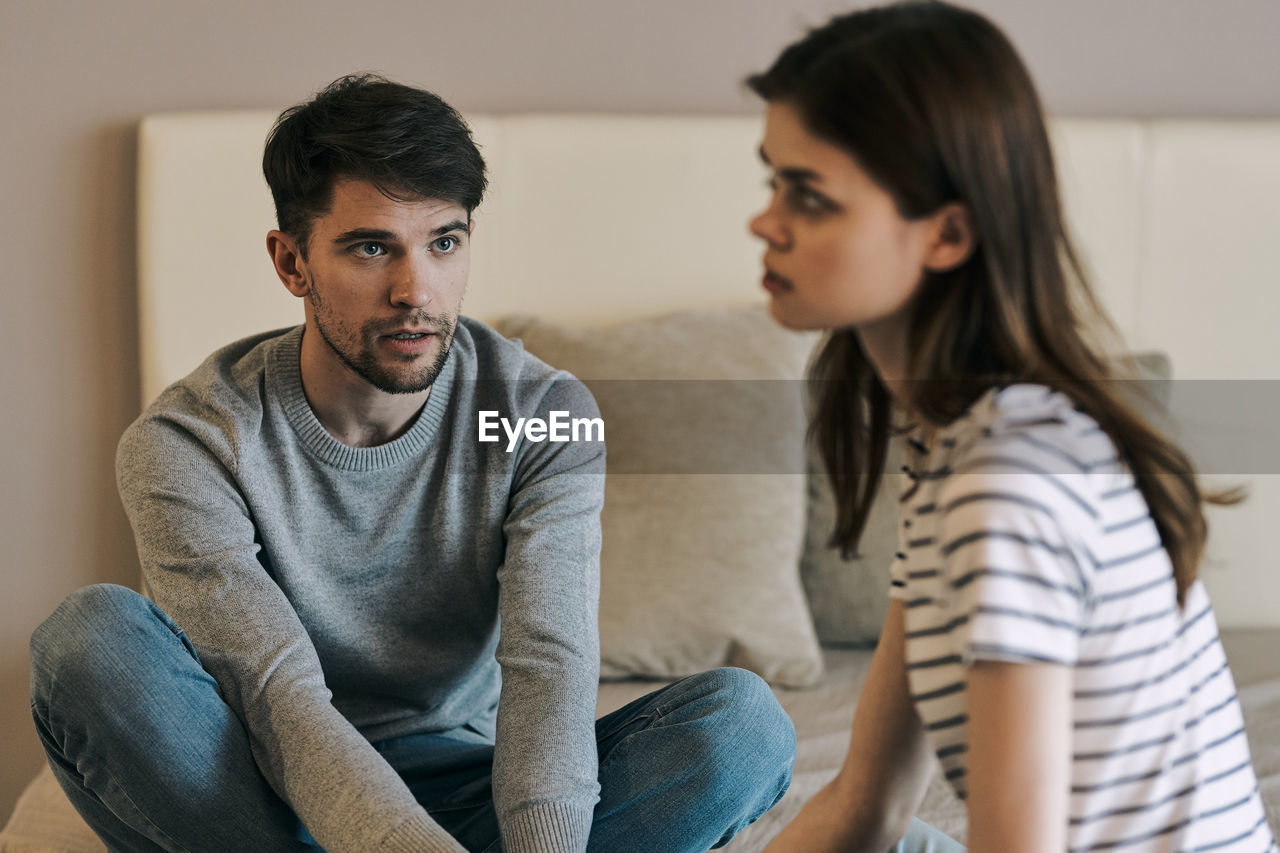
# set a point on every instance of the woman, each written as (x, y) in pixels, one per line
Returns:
(1047, 638)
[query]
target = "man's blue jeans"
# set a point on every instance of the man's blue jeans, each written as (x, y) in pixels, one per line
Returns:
(140, 739)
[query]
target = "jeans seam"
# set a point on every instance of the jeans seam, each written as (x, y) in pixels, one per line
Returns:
(650, 717)
(141, 814)
(114, 784)
(662, 711)
(49, 724)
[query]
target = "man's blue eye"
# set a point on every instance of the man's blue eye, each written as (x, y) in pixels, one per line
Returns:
(446, 244)
(370, 250)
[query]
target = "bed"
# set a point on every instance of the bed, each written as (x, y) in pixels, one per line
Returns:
(615, 246)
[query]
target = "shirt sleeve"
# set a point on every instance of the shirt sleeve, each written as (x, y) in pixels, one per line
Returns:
(196, 539)
(1011, 548)
(545, 765)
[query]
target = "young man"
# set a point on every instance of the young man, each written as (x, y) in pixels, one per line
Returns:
(368, 630)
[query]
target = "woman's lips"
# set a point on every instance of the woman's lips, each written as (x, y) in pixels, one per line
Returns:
(775, 283)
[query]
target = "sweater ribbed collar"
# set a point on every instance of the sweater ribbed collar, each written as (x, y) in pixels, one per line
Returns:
(284, 383)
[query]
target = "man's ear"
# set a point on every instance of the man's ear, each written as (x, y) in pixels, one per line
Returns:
(284, 253)
(954, 238)
(471, 227)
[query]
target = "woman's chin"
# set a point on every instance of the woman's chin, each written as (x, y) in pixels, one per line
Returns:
(788, 318)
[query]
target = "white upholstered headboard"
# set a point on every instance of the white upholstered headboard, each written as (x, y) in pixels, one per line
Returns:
(593, 217)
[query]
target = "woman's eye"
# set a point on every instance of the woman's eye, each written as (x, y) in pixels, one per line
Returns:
(805, 200)
(799, 197)
(446, 244)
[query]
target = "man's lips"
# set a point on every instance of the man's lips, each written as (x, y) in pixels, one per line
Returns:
(406, 327)
(410, 341)
(403, 334)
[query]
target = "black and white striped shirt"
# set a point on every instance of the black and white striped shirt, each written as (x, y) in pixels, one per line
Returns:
(1023, 538)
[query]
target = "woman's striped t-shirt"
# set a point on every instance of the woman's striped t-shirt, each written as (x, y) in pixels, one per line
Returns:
(1023, 538)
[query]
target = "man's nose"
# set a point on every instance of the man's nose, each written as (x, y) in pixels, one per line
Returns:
(414, 284)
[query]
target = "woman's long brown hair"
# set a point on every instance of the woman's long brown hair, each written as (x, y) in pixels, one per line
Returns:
(934, 103)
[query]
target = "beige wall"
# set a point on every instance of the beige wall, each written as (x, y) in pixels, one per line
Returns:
(78, 75)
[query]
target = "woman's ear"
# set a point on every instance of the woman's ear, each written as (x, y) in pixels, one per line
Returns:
(954, 238)
(286, 258)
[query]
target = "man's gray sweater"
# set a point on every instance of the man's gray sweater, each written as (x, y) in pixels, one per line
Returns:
(341, 595)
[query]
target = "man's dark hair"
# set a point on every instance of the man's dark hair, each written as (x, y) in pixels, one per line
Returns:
(407, 142)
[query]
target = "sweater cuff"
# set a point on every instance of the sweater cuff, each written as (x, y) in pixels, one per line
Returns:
(420, 835)
(548, 828)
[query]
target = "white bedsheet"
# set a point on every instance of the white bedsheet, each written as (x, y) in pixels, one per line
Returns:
(824, 714)
(44, 821)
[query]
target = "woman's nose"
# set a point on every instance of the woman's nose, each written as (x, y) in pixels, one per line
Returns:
(767, 225)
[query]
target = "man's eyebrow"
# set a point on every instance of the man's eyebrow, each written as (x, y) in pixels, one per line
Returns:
(383, 235)
(379, 234)
(455, 225)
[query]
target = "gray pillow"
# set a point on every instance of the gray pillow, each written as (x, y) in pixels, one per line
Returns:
(705, 498)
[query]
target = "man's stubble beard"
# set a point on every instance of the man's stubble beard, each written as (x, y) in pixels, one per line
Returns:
(364, 362)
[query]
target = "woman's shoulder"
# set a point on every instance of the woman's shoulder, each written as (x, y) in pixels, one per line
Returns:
(1031, 445)
(1036, 424)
